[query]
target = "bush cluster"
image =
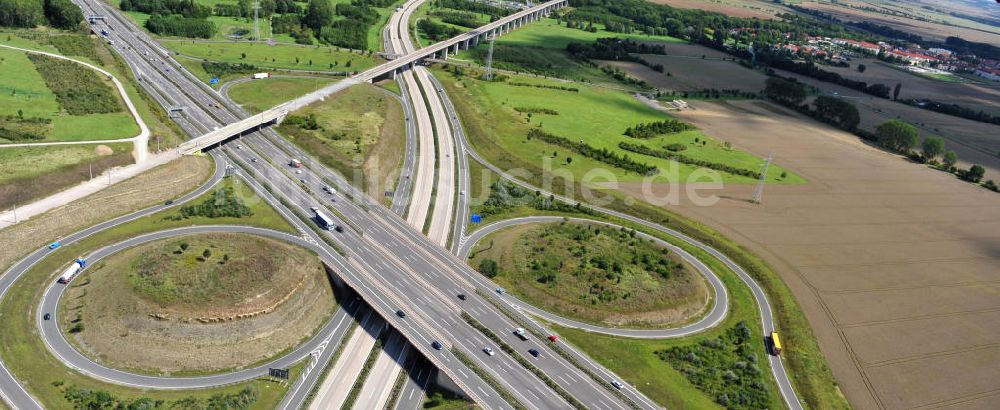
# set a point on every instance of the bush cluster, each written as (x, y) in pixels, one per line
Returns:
(18, 128)
(654, 129)
(221, 69)
(603, 154)
(85, 398)
(725, 367)
(505, 195)
(536, 110)
(223, 203)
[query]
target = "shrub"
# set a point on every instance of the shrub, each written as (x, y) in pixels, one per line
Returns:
(223, 203)
(488, 267)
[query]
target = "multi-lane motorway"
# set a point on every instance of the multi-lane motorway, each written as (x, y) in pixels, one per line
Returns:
(415, 274)
(388, 262)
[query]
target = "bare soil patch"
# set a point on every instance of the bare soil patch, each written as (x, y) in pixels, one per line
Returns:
(895, 265)
(595, 274)
(178, 310)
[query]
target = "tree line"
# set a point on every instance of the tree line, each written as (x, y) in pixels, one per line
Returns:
(654, 129)
(953, 109)
(61, 14)
(603, 154)
(674, 156)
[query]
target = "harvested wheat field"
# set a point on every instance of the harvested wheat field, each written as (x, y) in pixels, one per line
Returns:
(896, 266)
(975, 142)
(736, 8)
(690, 73)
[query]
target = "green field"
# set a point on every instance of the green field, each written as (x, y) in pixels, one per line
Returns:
(23, 89)
(359, 132)
(598, 117)
(549, 33)
(278, 56)
(46, 377)
(259, 95)
(592, 273)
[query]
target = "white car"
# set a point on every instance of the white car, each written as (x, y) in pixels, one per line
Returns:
(618, 385)
(489, 351)
(298, 171)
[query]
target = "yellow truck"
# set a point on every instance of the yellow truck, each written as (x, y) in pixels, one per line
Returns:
(775, 344)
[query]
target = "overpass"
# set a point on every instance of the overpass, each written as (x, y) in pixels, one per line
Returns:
(389, 69)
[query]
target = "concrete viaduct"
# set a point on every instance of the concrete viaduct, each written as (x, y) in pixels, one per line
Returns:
(389, 69)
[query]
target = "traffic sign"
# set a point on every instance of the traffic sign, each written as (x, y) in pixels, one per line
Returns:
(214, 80)
(278, 373)
(476, 218)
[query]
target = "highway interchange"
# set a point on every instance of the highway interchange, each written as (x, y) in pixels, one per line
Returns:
(380, 255)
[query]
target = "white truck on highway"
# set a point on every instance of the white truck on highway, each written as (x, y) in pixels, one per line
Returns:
(72, 270)
(261, 76)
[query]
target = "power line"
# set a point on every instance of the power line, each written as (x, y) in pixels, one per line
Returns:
(489, 59)
(758, 192)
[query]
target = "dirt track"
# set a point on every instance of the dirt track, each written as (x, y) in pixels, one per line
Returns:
(896, 266)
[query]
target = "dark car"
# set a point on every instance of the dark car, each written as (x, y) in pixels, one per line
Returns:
(461, 296)
(339, 228)
(47, 316)
(400, 313)
(436, 345)
(534, 352)
(169, 202)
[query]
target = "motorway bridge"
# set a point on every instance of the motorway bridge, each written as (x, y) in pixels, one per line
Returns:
(388, 70)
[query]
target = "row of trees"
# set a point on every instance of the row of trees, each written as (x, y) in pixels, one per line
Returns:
(812, 70)
(671, 154)
(603, 154)
(654, 129)
(31, 13)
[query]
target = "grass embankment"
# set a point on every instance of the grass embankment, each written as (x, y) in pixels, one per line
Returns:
(278, 56)
(259, 95)
(47, 99)
(498, 116)
(29, 173)
(359, 132)
(205, 293)
(45, 376)
(490, 129)
(593, 273)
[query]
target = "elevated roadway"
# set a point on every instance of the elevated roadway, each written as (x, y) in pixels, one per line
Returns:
(389, 69)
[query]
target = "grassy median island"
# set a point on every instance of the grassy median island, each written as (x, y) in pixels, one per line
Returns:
(593, 273)
(197, 303)
(359, 132)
